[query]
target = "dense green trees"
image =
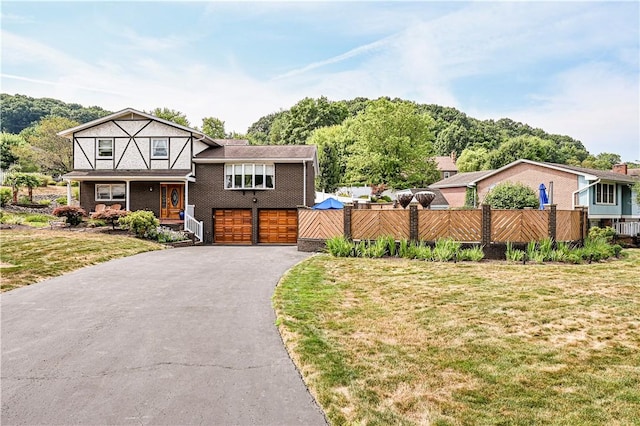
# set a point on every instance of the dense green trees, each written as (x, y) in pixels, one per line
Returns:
(52, 153)
(392, 144)
(171, 115)
(19, 112)
(213, 127)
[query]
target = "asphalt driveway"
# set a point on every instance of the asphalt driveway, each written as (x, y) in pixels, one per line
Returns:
(179, 336)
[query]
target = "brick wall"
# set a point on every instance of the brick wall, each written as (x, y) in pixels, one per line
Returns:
(208, 193)
(532, 175)
(454, 196)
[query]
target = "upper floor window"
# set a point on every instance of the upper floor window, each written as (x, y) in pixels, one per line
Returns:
(605, 193)
(110, 192)
(249, 176)
(159, 148)
(446, 175)
(105, 149)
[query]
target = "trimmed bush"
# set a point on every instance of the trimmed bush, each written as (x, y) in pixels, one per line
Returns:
(73, 214)
(509, 195)
(5, 196)
(142, 223)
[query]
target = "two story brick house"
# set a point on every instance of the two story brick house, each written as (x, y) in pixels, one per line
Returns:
(237, 193)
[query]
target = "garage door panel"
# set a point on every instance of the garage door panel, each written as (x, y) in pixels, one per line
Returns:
(232, 226)
(278, 226)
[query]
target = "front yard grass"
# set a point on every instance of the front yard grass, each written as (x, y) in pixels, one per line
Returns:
(29, 256)
(394, 341)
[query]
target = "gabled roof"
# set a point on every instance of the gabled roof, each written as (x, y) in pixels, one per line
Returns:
(445, 163)
(274, 153)
(460, 179)
(130, 113)
(472, 178)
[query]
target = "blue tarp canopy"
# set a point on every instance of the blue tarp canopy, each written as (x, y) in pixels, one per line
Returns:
(544, 199)
(329, 203)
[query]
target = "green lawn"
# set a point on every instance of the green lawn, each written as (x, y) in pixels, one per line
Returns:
(30, 256)
(396, 341)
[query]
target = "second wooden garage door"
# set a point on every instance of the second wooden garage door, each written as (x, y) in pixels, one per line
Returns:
(278, 226)
(232, 226)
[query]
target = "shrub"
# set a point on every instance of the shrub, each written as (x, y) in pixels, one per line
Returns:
(110, 216)
(73, 214)
(5, 196)
(607, 233)
(509, 195)
(61, 201)
(406, 249)
(44, 202)
(142, 223)
(23, 199)
(389, 243)
(339, 246)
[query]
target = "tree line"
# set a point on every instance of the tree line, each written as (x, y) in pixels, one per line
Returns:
(360, 141)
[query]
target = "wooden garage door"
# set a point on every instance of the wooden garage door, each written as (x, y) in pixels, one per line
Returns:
(232, 226)
(278, 226)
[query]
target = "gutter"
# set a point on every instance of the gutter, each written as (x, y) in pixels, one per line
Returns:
(574, 193)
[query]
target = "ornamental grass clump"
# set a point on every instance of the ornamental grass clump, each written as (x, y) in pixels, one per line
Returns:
(473, 254)
(446, 249)
(339, 246)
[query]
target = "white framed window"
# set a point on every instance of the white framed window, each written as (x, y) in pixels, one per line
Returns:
(111, 192)
(160, 148)
(249, 176)
(105, 149)
(606, 193)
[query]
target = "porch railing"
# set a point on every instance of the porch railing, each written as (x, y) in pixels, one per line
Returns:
(191, 224)
(627, 228)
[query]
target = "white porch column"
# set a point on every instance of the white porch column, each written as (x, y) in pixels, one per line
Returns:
(69, 196)
(127, 204)
(186, 201)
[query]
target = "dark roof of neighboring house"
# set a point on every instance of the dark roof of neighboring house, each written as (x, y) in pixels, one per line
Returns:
(108, 174)
(445, 163)
(600, 174)
(461, 179)
(439, 200)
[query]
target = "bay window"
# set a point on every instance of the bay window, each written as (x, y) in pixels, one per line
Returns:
(249, 176)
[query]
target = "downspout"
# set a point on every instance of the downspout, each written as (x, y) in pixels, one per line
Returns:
(573, 194)
(128, 202)
(304, 182)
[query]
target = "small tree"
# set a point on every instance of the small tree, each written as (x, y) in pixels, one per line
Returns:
(73, 214)
(19, 180)
(110, 216)
(636, 189)
(509, 195)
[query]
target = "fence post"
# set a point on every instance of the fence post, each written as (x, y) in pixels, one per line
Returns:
(553, 223)
(486, 225)
(413, 223)
(347, 221)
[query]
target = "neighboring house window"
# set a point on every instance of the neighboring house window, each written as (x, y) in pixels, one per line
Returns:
(446, 174)
(159, 148)
(249, 176)
(105, 149)
(605, 193)
(110, 192)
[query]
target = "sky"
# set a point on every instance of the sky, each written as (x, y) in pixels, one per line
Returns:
(569, 67)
